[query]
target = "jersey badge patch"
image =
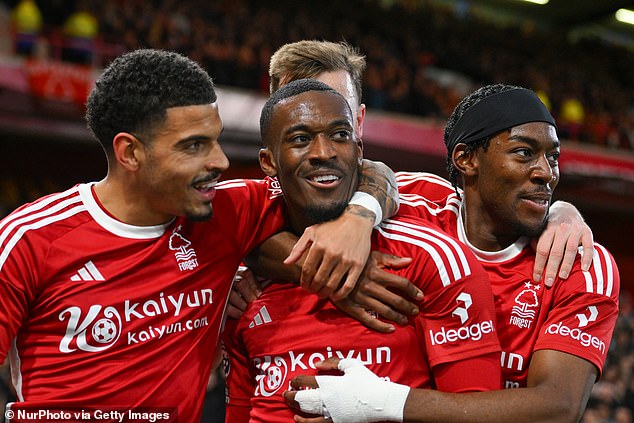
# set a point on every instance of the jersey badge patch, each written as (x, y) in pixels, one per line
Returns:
(185, 256)
(526, 304)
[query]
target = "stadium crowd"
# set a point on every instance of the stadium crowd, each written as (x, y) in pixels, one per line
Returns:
(591, 95)
(421, 59)
(612, 398)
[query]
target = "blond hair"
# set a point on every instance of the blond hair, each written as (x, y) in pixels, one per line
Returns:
(309, 58)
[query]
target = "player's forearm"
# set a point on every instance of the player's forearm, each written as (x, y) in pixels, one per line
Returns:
(267, 259)
(525, 405)
(379, 181)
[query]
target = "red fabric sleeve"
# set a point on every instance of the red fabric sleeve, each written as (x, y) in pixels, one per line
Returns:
(250, 211)
(482, 373)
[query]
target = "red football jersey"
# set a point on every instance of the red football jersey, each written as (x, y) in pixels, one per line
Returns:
(576, 316)
(286, 331)
(429, 197)
(98, 313)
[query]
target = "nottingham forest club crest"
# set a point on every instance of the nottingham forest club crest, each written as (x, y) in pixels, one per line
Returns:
(526, 304)
(185, 256)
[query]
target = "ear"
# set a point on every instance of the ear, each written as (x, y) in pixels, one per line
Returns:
(465, 162)
(360, 119)
(267, 162)
(127, 150)
(360, 149)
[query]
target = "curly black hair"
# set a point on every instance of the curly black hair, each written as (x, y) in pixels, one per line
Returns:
(464, 105)
(136, 89)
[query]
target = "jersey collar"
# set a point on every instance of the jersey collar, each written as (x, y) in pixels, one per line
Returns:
(109, 223)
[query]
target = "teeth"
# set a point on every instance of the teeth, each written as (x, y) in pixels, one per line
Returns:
(206, 186)
(540, 201)
(325, 178)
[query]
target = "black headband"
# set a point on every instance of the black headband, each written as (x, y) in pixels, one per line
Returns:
(496, 113)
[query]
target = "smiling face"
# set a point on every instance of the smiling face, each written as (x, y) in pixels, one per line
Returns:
(313, 151)
(180, 165)
(509, 185)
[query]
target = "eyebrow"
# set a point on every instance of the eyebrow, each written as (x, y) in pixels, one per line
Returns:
(193, 138)
(297, 127)
(530, 140)
(199, 137)
(342, 122)
(306, 128)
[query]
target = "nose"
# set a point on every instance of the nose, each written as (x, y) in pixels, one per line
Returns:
(543, 171)
(217, 159)
(321, 148)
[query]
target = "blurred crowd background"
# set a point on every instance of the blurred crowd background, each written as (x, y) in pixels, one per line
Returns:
(406, 43)
(422, 59)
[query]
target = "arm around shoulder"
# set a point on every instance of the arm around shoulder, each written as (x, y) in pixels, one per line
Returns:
(558, 388)
(379, 181)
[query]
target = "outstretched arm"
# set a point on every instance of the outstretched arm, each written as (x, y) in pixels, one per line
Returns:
(326, 252)
(375, 290)
(337, 250)
(559, 385)
(329, 258)
(557, 246)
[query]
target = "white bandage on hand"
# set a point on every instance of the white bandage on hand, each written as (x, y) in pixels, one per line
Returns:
(359, 396)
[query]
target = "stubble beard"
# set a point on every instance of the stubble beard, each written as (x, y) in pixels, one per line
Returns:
(324, 213)
(200, 217)
(531, 231)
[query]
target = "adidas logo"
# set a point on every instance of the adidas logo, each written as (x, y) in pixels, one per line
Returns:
(88, 272)
(261, 318)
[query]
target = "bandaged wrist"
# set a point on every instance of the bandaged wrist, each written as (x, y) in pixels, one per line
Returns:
(372, 402)
(359, 396)
(367, 201)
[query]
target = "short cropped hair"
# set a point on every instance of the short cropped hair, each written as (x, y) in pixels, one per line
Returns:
(136, 89)
(309, 58)
(289, 90)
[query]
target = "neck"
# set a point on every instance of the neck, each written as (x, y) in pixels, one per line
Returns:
(299, 223)
(481, 228)
(126, 204)
(312, 215)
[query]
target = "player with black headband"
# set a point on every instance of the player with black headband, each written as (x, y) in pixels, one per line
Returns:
(502, 143)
